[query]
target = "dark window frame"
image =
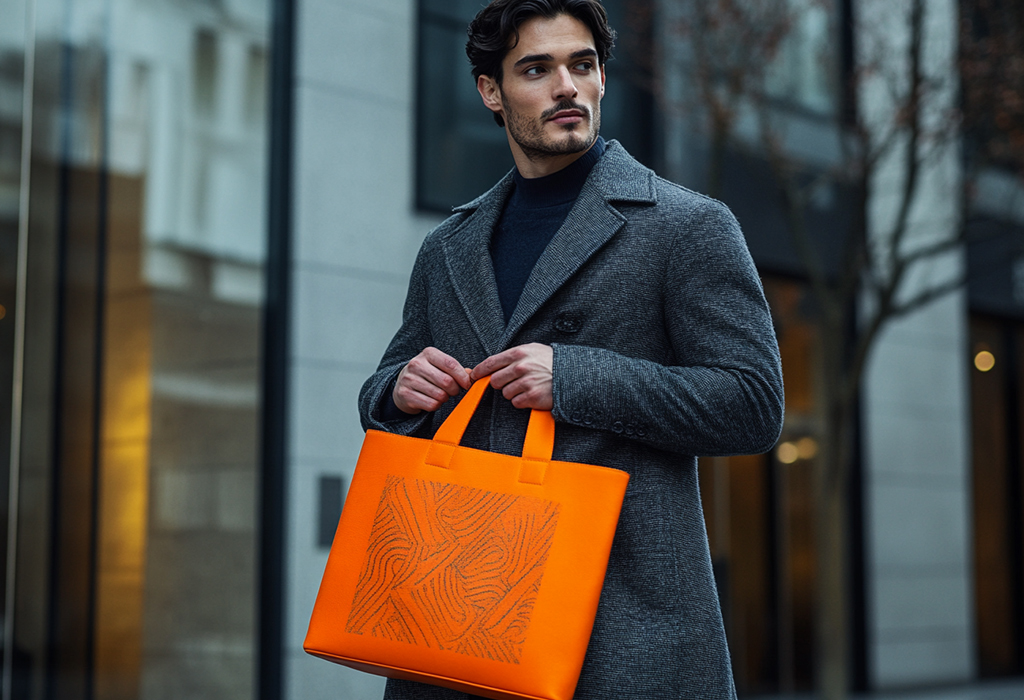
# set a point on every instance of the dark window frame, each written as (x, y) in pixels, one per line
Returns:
(274, 372)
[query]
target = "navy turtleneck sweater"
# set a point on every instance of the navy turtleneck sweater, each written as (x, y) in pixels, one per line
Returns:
(534, 212)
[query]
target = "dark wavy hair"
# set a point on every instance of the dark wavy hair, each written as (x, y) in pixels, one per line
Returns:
(495, 31)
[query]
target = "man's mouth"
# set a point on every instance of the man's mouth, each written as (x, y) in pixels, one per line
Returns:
(568, 116)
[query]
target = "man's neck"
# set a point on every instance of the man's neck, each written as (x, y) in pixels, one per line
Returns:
(559, 187)
(542, 166)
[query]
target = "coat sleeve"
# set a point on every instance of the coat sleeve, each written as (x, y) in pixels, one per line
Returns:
(412, 337)
(723, 393)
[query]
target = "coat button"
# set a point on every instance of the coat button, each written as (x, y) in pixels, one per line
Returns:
(577, 417)
(588, 419)
(641, 432)
(568, 323)
(630, 429)
(617, 427)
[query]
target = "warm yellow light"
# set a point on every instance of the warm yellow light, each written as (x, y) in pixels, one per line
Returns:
(787, 453)
(984, 361)
(3, 311)
(807, 447)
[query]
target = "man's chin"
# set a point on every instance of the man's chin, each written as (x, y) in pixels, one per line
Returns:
(573, 142)
(558, 145)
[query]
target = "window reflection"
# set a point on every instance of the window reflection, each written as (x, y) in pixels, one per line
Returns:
(137, 561)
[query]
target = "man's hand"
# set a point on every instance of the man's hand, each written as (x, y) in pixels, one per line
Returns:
(430, 379)
(523, 374)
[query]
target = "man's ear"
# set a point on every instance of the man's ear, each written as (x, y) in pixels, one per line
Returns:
(490, 92)
(602, 80)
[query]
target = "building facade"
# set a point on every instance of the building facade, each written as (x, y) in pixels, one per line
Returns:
(208, 214)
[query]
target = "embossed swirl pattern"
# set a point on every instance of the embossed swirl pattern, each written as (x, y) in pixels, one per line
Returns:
(454, 568)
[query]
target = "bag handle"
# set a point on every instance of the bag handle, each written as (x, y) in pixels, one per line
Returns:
(537, 448)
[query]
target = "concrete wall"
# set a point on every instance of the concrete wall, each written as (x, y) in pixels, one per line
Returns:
(917, 501)
(355, 237)
(916, 412)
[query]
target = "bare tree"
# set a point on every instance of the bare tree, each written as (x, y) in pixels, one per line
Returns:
(992, 70)
(900, 112)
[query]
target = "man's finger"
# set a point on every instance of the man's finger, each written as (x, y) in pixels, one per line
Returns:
(526, 393)
(481, 370)
(511, 389)
(505, 375)
(442, 379)
(448, 365)
(419, 385)
(491, 365)
(419, 369)
(419, 402)
(413, 394)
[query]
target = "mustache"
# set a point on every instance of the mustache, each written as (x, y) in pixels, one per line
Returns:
(562, 106)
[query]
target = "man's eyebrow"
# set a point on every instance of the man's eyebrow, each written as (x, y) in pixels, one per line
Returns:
(534, 57)
(582, 53)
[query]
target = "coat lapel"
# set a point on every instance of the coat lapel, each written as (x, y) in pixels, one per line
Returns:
(591, 223)
(468, 258)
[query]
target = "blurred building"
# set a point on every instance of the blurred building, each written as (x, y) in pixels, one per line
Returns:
(197, 277)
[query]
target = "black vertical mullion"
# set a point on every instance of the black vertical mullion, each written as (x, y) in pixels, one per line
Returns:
(419, 169)
(847, 64)
(275, 365)
(1015, 537)
(774, 512)
(858, 570)
(71, 622)
(54, 608)
(855, 519)
(102, 223)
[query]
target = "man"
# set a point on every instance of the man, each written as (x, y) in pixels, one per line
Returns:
(628, 306)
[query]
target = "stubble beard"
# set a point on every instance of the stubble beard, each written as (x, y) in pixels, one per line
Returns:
(529, 134)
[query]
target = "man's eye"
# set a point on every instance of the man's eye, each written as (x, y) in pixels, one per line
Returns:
(534, 70)
(586, 65)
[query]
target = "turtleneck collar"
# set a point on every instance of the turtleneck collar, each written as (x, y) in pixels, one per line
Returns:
(559, 187)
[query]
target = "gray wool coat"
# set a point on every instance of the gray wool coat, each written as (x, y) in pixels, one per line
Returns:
(663, 350)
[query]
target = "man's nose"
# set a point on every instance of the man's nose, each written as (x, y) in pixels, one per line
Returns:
(564, 86)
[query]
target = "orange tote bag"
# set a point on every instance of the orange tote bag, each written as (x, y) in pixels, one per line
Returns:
(468, 569)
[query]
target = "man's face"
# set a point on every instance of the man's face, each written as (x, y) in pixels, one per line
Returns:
(550, 94)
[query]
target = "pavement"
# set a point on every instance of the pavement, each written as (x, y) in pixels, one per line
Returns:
(975, 691)
(1002, 690)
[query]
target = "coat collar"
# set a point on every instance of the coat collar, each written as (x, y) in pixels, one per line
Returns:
(617, 175)
(591, 223)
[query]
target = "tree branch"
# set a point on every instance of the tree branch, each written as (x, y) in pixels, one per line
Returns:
(928, 296)
(793, 208)
(912, 162)
(933, 250)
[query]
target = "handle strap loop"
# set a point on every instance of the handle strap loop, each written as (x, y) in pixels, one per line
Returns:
(537, 447)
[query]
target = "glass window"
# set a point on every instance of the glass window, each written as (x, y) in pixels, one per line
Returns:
(996, 358)
(137, 552)
(204, 78)
(804, 73)
(12, 90)
(461, 152)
